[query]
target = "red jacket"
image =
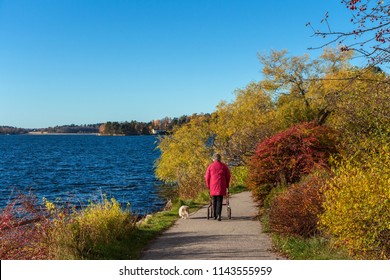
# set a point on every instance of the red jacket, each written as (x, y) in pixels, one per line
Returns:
(217, 178)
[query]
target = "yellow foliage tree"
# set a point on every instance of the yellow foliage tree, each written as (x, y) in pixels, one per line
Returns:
(360, 105)
(185, 155)
(239, 125)
(296, 84)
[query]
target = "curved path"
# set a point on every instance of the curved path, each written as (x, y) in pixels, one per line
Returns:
(198, 238)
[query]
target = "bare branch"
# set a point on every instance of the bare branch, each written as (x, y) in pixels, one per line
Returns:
(371, 37)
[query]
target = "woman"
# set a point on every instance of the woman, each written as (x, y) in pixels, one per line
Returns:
(217, 180)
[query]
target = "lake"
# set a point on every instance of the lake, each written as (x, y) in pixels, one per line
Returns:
(81, 168)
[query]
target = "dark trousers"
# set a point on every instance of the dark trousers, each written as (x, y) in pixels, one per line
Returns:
(217, 205)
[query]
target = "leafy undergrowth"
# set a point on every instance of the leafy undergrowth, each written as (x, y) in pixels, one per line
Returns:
(295, 211)
(357, 205)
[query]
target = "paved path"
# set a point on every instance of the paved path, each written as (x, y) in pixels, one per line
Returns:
(198, 238)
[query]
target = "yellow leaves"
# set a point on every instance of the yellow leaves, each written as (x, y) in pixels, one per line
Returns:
(50, 207)
(357, 208)
(241, 124)
(185, 156)
(360, 102)
(84, 233)
(102, 222)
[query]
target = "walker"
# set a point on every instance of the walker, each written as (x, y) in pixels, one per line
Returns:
(228, 208)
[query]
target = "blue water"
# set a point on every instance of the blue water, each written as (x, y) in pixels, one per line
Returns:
(79, 168)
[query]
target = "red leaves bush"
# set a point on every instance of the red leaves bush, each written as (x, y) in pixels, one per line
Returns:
(288, 155)
(20, 237)
(296, 211)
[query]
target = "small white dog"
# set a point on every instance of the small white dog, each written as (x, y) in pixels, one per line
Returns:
(184, 212)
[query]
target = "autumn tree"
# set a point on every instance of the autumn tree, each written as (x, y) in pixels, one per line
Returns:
(185, 155)
(361, 107)
(296, 84)
(239, 125)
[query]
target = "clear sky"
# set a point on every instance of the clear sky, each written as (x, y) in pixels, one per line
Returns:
(91, 61)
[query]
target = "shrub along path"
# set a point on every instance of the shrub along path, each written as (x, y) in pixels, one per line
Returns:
(198, 238)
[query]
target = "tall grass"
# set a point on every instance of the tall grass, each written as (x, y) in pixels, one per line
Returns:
(90, 233)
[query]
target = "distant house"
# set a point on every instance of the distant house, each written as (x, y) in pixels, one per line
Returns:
(158, 131)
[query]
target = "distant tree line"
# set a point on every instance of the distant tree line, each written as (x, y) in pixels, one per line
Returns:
(124, 128)
(12, 130)
(169, 123)
(163, 126)
(86, 128)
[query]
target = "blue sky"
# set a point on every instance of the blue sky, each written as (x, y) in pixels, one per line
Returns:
(91, 61)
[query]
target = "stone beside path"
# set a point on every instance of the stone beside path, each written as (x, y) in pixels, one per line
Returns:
(197, 238)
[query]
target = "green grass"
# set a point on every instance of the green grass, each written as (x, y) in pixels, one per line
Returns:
(314, 248)
(237, 189)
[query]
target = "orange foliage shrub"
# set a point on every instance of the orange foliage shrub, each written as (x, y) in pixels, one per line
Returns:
(296, 211)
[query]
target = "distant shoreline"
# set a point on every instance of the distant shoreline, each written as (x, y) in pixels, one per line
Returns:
(42, 133)
(54, 133)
